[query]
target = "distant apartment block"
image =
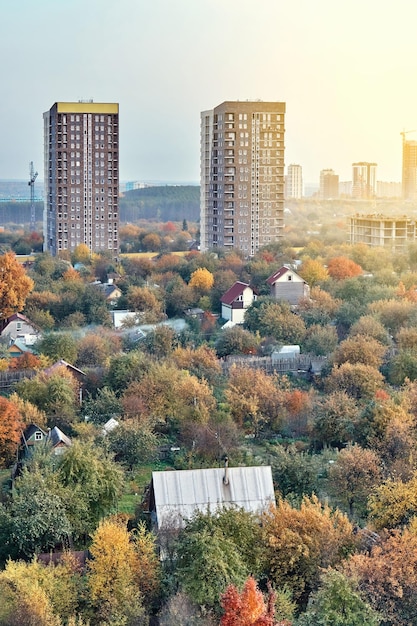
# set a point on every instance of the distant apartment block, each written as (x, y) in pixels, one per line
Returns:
(395, 233)
(409, 170)
(329, 185)
(363, 180)
(388, 189)
(242, 175)
(345, 188)
(81, 180)
(294, 182)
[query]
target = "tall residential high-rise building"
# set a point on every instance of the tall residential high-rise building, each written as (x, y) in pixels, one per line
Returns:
(363, 180)
(329, 185)
(294, 182)
(81, 200)
(409, 178)
(242, 175)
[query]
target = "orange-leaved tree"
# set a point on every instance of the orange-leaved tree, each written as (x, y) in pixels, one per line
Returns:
(10, 429)
(15, 285)
(249, 607)
(340, 267)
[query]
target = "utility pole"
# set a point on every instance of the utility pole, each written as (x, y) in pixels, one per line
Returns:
(31, 184)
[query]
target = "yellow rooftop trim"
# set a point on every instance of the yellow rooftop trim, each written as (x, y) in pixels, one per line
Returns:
(87, 107)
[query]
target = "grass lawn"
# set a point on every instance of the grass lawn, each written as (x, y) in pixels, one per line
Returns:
(135, 485)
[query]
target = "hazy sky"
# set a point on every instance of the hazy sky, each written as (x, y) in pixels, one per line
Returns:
(347, 71)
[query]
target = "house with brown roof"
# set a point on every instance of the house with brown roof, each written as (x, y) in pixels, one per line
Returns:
(285, 284)
(236, 301)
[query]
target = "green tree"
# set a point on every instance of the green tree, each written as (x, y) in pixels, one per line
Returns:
(58, 346)
(320, 340)
(217, 549)
(94, 481)
(102, 407)
(338, 602)
(133, 444)
(36, 519)
(235, 340)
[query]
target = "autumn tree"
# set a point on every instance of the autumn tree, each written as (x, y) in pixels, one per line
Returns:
(360, 349)
(235, 340)
(145, 301)
(341, 267)
(254, 398)
(386, 576)
(201, 361)
(369, 326)
(313, 272)
(393, 503)
(202, 280)
(352, 477)
(114, 596)
(298, 473)
(15, 286)
(302, 541)
(319, 308)
(394, 314)
(274, 319)
(247, 608)
(81, 254)
(11, 424)
(358, 380)
(336, 418)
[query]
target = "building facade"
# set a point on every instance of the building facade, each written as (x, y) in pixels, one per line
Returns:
(294, 182)
(409, 170)
(363, 180)
(242, 175)
(81, 161)
(394, 233)
(329, 185)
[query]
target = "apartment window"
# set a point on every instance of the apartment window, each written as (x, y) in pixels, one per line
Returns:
(38, 436)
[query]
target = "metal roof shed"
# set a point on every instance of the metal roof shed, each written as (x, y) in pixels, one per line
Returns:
(178, 494)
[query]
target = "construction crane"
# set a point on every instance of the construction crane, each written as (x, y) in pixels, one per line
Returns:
(405, 132)
(33, 175)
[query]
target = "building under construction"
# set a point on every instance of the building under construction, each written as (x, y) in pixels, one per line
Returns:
(394, 233)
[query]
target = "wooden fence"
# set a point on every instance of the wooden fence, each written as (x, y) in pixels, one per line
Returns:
(10, 377)
(301, 363)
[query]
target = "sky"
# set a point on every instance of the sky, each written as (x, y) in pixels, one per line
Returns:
(346, 70)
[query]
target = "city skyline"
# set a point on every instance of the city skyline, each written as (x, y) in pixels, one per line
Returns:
(347, 82)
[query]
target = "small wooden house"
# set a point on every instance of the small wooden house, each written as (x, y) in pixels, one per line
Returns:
(285, 284)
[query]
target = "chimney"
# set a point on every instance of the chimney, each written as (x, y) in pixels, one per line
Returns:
(226, 471)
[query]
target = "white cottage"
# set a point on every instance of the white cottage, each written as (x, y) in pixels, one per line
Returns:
(236, 301)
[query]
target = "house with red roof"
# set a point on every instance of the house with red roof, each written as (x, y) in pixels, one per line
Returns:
(236, 301)
(285, 284)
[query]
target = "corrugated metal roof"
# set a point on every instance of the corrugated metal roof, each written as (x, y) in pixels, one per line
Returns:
(180, 493)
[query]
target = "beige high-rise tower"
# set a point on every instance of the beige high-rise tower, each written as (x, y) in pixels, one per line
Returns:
(81, 206)
(242, 175)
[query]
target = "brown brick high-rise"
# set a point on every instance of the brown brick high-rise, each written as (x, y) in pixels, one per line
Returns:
(81, 143)
(242, 175)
